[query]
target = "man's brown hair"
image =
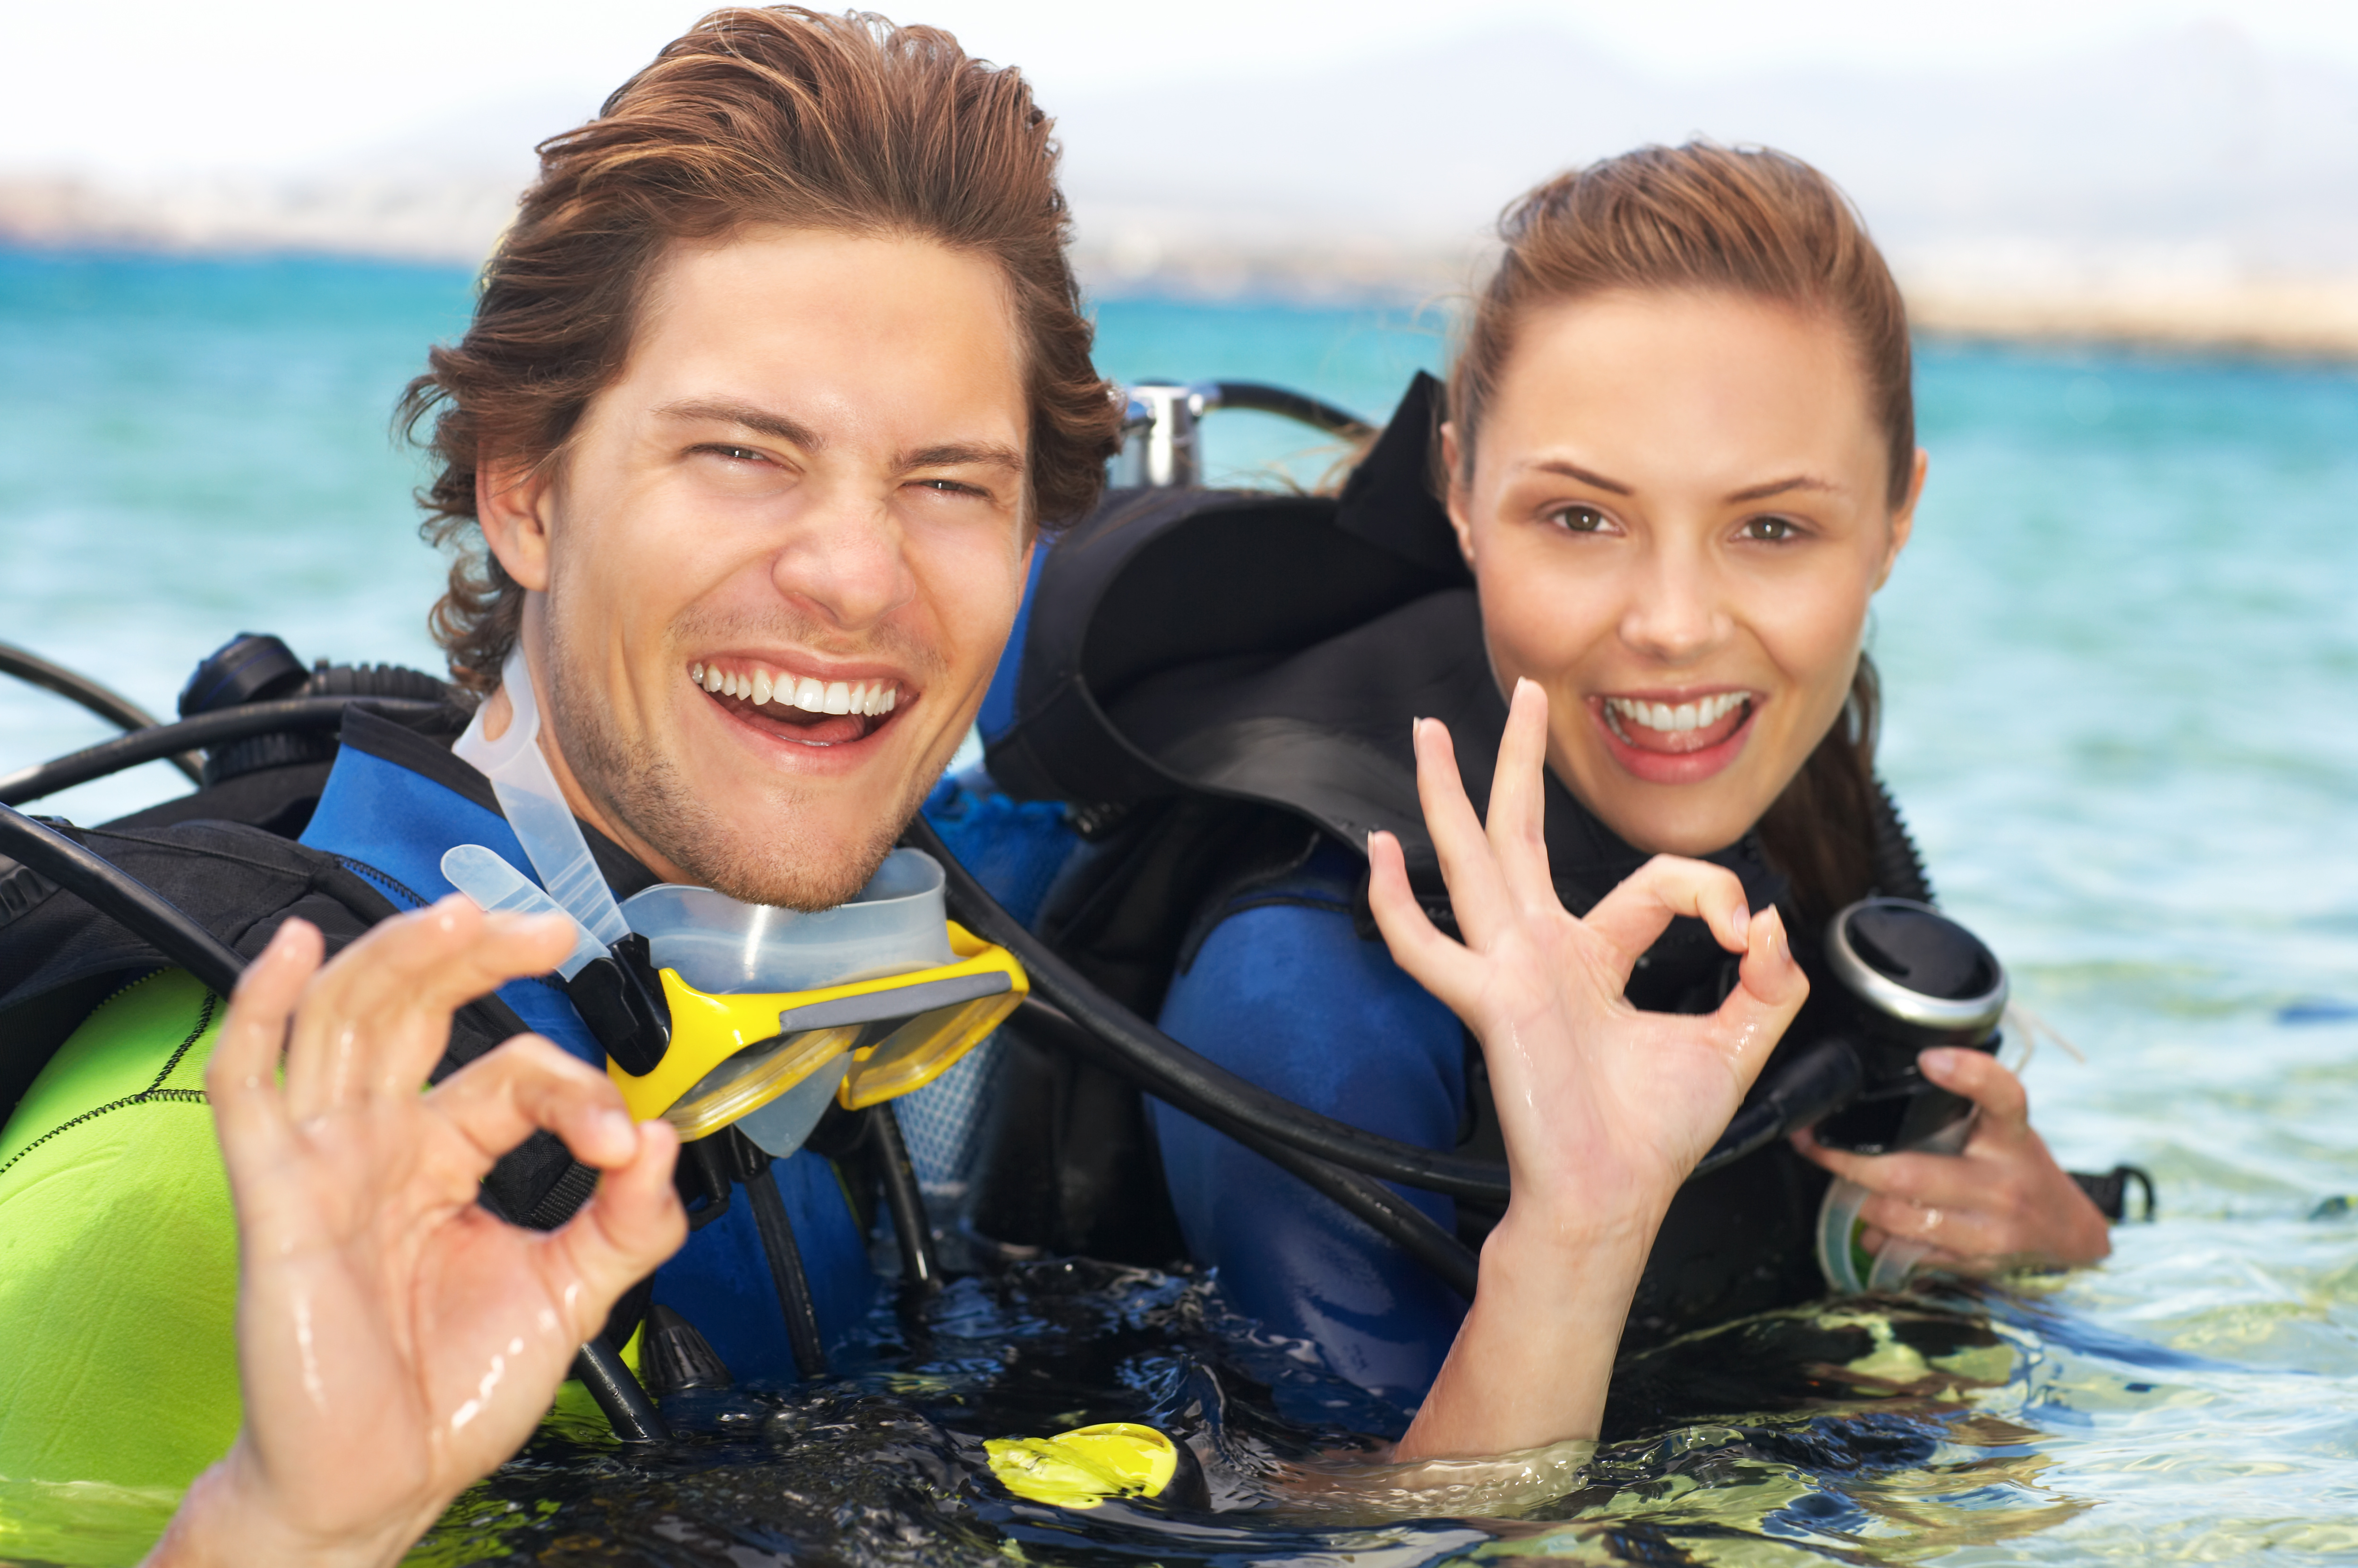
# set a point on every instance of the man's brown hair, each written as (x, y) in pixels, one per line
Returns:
(1763, 225)
(783, 115)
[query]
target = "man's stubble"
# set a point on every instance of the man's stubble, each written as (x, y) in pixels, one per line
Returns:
(788, 866)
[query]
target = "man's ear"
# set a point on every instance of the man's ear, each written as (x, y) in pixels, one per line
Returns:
(1460, 501)
(513, 502)
(1903, 516)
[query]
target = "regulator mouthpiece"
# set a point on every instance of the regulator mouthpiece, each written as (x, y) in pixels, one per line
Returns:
(1920, 979)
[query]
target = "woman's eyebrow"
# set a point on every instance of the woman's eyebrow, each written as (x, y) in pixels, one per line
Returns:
(1573, 471)
(1780, 486)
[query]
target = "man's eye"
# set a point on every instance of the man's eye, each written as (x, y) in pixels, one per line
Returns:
(1771, 530)
(735, 454)
(1580, 520)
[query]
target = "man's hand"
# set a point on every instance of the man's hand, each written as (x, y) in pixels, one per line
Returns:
(1605, 1108)
(396, 1340)
(2001, 1203)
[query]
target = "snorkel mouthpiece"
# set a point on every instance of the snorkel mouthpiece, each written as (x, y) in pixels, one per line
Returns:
(621, 1001)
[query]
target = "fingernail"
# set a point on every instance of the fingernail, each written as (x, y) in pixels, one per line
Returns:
(1939, 1062)
(1742, 923)
(617, 1127)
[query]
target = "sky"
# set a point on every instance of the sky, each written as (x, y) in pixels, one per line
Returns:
(152, 88)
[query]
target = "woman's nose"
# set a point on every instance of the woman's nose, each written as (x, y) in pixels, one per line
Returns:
(848, 563)
(1678, 615)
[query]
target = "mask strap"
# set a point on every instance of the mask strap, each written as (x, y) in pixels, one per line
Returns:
(535, 807)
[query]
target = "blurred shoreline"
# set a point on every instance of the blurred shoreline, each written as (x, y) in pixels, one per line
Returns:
(2017, 291)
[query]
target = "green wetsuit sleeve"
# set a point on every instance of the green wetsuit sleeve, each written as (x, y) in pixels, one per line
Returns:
(118, 1253)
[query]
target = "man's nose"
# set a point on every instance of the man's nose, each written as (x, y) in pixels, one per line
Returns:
(1678, 611)
(848, 563)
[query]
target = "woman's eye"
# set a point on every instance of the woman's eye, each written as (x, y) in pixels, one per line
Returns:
(1771, 530)
(1580, 520)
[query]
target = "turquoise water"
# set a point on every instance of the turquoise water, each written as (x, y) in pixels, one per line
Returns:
(2121, 664)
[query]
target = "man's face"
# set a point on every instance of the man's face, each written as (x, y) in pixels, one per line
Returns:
(779, 556)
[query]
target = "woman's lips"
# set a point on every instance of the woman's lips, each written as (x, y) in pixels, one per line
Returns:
(1659, 754)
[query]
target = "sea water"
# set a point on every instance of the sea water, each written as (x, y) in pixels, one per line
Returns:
(2121, 663)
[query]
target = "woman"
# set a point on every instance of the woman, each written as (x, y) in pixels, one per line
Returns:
(1677, 460)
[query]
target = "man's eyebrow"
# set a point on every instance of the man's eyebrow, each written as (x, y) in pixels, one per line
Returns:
(961, 454)
(1573, 471)
(1780, 486)
(745, 416)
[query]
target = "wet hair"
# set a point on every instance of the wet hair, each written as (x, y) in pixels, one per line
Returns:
(1763, 225)
(774, 116)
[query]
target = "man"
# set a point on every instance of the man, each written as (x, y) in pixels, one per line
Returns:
(776, 377)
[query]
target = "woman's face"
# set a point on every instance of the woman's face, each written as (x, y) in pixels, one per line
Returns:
(1677, 513)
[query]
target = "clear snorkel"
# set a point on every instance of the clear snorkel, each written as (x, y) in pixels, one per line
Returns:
(715, 1012)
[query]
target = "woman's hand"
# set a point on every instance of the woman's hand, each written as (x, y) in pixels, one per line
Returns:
(1605, 1110)
(396, 1340)
(2001, 1203)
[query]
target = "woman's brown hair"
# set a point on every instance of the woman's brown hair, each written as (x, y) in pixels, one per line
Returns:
(1761, 224)
(779, 115)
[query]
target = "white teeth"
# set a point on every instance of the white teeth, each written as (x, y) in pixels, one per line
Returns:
(868, 698)
(1660, 716)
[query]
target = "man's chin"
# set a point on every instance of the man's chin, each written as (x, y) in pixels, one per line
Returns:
(807, 867)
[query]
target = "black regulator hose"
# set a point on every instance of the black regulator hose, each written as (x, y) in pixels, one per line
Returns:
(108, 704)
(1823, 1078)
(121, 897)
(205, 729)
(1260, 398)
(1379, 1207)
(1204, 1089)
(125, 899)
(1795, 1094)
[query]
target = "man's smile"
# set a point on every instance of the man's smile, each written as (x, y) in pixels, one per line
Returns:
(804, 709)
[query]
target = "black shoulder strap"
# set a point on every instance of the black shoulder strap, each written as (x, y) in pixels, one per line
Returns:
(60, 958)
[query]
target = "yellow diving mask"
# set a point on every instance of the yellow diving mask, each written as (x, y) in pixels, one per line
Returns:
(733, 1054)
(775, 1012)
